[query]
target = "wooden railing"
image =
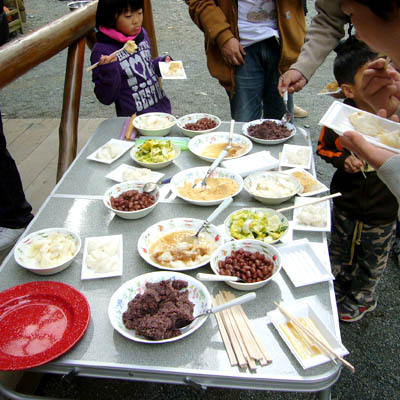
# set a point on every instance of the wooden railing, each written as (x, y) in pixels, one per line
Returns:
(30, 50)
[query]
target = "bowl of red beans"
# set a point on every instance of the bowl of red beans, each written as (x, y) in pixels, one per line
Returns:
(255, 263)
(128, 200)
(192, 125)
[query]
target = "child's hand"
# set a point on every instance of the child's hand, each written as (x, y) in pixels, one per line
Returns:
(107, 59)
(352, 165)
(168, 59)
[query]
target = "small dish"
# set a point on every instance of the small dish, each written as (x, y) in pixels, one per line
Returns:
(198, 144)
(162, 228)
(311, 185)
(89, 273)
(124, 147)
(337, 118)
(23, 257)
(192, 174)
(155, 166)
(154, 123)
(252, 246)
(172, 70)
(272, 180)
(118, 189)
(302, 265)
(324, 205)
(117, 174)
(260, 161)
(198, 294)
(193, 118)
(303, 310)
(246, 126)
(296, 156)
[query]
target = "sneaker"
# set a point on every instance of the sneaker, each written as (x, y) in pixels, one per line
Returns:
(9, 236)
(299, 112)
(352, 312)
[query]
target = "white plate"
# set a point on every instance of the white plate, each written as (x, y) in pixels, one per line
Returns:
(287, 148)
(198, 143)
(198, 294)
(300, 227)
(260, 161)
(125, 146)
(117, 174)
(320, 189)
(162, 228)
(290, 126)
(302, 264)
(88, 273)
(337, 118)
(166, 74)
(302, 310)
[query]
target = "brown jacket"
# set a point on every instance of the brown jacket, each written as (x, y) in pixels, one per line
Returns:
(218, 19)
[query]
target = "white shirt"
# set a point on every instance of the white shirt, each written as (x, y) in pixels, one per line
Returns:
(257, 21)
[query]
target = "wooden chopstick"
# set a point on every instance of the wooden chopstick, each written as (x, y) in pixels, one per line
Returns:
(323, 346)
(317, 200)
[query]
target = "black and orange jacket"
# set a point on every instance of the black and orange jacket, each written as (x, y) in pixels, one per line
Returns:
(363, 199)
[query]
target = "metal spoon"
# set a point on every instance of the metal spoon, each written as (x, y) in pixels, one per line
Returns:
(287, 116)
(181, 323)
(150, 186)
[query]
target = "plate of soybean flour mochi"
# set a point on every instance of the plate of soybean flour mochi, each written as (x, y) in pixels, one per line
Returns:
(102, 257)
(296, 156)
(302, 264)
(311, 185)
(307, 354)
(125, 172)
(110, 151)
(380, 131)
(172, 70)
(314, 217)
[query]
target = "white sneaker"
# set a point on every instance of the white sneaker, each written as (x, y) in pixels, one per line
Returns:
(9, 236)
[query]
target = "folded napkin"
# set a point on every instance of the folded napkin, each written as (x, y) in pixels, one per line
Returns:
(261, 161)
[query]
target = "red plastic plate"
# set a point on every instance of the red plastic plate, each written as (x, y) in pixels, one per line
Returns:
(39, 321)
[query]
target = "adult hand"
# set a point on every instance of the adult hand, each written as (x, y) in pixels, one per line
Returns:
(375, 156)
(291, 81)
(233, 52)
(352, 164)
(380, 86)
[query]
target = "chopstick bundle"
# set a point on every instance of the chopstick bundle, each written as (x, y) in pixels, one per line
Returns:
(312, 338)
(243, 346)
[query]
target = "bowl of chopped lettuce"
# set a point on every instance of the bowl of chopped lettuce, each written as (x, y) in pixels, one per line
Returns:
(155, 154)
(154, 123)
(264, 224)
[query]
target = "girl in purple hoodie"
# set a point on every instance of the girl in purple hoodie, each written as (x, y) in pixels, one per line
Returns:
(128, 80)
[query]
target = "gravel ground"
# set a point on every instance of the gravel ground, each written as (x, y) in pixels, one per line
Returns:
(373, 341)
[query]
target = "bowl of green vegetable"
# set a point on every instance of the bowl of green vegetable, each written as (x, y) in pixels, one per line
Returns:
(264, 224)
(155, 154)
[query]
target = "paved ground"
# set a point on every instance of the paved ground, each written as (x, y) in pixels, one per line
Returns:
(373, 342)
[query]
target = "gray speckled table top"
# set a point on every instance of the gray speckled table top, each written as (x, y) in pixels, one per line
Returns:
(201, 357)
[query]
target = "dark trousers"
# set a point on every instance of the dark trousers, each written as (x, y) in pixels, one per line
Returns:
(3, 28)
(15, 211)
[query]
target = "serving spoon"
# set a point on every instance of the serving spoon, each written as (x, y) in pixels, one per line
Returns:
(182, 323)
(287, 116)
(150, 186)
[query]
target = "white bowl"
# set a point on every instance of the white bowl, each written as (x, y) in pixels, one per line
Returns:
(193, 118)
(271, 177)
(192, 174)
(269, 212)
(143, 122)
(162, 228)
(253, 246)
(290, 126)
(199, 143)
(198, 295)
(155, 166)
(118, 189)
(21, 252)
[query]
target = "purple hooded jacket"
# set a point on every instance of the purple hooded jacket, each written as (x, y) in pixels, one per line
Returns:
(132, 81)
